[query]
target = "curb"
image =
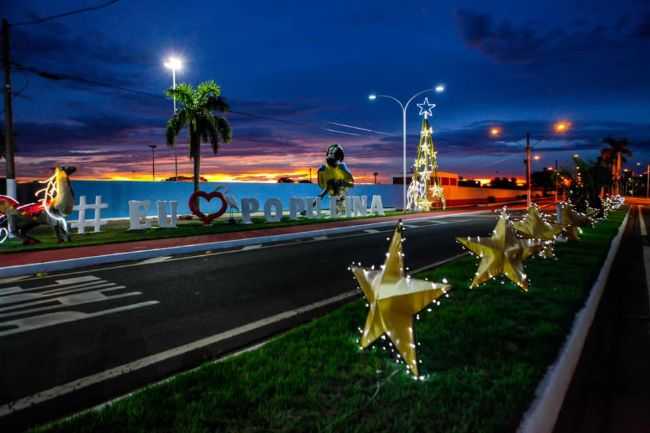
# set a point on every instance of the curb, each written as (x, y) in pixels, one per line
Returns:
(59, 265)
(549, 395)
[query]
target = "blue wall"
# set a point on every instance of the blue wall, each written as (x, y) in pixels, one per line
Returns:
(118, 193)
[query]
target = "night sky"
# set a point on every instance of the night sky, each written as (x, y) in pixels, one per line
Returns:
(298, 68)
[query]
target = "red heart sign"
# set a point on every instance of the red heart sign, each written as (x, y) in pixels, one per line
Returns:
(194, 205)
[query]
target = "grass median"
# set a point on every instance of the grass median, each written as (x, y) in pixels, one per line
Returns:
(483, 352)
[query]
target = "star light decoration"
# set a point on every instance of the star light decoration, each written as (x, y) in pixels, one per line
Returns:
(425, 108)
(394, 298)
(570, 220)
(501, 254)
(534, 226)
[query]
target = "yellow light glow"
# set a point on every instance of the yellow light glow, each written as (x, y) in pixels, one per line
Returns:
(562, 126)
(495, 131)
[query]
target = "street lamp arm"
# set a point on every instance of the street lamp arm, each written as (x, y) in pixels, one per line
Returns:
(415, 96)
(394, 99)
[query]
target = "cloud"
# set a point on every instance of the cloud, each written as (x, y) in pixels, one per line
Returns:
(531, 43)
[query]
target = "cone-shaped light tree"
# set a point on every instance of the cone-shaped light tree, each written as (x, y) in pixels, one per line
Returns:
(425, 191)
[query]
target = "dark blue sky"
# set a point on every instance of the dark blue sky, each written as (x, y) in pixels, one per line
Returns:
(517, 64)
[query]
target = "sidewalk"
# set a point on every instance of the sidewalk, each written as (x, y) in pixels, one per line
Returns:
(610, 391)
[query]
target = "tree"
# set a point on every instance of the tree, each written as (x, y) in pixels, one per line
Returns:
(614, 157)
(196, 108)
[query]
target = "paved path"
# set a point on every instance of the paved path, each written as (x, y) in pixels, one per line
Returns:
(610, 392)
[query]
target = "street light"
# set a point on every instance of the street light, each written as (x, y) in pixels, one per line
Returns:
(174, 63)
(559, 127)
(372, 97)
(153, 161)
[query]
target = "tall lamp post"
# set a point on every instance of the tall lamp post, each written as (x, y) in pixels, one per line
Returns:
(559, 127)
(153, 161)
(404, 106)
(174, 63)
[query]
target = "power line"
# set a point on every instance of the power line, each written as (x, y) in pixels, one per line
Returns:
(66, 14)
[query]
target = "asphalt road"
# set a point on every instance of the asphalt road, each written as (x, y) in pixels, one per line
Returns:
(72, 333)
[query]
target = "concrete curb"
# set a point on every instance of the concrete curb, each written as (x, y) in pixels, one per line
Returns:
(59, 265)
(549, 395)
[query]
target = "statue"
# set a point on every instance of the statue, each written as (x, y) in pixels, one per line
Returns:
(55, 203)
(334, 177)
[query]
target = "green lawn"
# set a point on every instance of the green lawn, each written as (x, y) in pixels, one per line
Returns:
(117, 231)
(483, 351)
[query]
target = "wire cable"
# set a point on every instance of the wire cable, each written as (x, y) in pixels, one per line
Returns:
(66, 14)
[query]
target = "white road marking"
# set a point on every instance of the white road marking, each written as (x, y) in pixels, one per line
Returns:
(87, 381)
(642, 227)
(371, 231)
(50, 319)
(14, 279)
(249, 247)
(155, 260)
(31, 308)
(320, 238)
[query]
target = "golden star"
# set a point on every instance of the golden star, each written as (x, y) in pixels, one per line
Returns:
(570, 220)
(394, 298)
(533, 226)
(502, 253)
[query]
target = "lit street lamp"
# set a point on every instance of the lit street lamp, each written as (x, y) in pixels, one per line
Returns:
(174, 63)
(559, 127)
(438, 89)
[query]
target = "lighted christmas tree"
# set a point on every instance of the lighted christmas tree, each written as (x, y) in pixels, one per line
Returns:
(425, 192)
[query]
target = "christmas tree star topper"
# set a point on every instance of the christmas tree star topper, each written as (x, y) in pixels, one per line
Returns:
(425, 108)
(394, 298)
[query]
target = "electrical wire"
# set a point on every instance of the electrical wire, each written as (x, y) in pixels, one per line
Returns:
(66, 14)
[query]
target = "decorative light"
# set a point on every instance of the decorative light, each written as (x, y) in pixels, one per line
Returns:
(394, 299)
(372, 97)
(501, 252)
(495, 131)
(439, 88)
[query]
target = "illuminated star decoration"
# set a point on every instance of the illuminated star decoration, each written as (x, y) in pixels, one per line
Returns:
(533, 226)
(394, 298)
(570, 220)
(425, 108)
(502, 253)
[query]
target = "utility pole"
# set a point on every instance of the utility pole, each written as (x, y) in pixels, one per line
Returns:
(527, 161)
(9, 121)
(647, 182)
(557, 175)
(375, 174)
(153, 161)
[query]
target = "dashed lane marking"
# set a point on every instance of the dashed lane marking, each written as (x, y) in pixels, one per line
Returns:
(249, 247)
(320, 238)
(371, 231)
(155, 260)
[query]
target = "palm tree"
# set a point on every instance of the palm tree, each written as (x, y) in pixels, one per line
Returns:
(195, 112)
(614, 156)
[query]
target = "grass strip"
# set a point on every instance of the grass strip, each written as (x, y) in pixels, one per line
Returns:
(117, 231)
(483, 350)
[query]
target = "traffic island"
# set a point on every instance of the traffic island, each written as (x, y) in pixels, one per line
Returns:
(484, 352)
